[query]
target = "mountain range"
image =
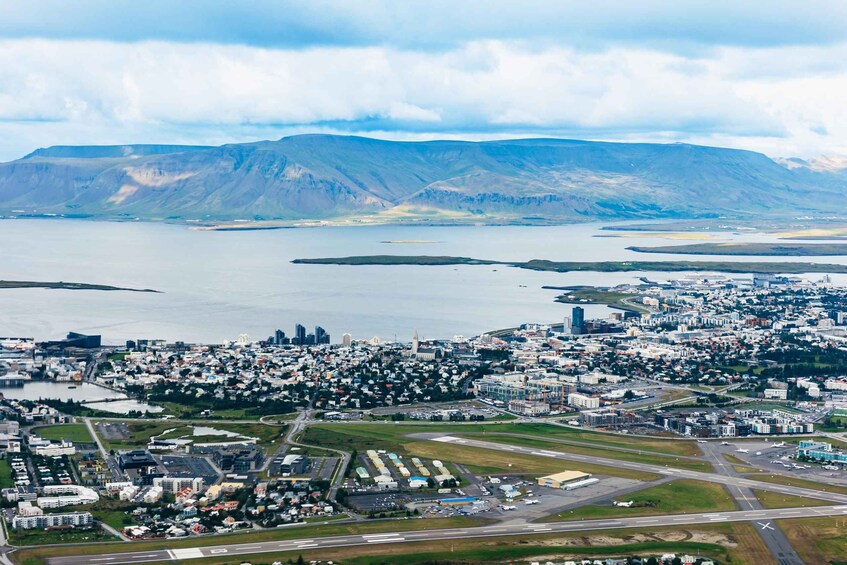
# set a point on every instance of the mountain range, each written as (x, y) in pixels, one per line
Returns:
(326, 177)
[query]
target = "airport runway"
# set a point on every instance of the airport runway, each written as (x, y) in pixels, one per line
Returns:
(668, 471)
(236, 551)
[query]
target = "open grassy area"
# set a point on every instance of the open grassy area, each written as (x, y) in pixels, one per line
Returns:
(41, 537)
(391, 433)
(6, 480)
(38, 554)
(795, 482)
(817, 540)
(738, 544)
(77, 433)
(598, 451)
(677, 497)
(491, 462)
(778, 500)
(268, 436)
(478, 460)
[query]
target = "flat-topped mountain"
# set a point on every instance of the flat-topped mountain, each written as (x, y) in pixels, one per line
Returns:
(329, 177)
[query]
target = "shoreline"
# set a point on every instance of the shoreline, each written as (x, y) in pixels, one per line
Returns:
(60, 285)
(736, 267)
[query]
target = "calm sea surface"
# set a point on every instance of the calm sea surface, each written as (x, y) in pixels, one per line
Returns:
(217, 285)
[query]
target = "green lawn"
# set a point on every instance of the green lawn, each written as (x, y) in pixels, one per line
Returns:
(41, 537)
(801, 483)
(771, 499)
(677, 497)
(37, 555)
(77, 433)
(6, 480)
(360, 435)
(268, 436)
(599, 451)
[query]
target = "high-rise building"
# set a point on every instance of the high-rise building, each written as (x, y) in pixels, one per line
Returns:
(578, 320)
(279, 338)
(299, 335)
(566, 325)
(346, 340)
(321, 337)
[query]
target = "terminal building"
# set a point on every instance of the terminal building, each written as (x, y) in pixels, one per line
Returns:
(821, 451)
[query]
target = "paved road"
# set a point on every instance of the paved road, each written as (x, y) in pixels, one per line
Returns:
(117, 475)
(515, 529)
(770, 533)
(669, 471)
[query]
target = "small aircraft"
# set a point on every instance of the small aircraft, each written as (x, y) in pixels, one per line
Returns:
(742, 450)
(508, 507)
(531, 501)
(701, 441)
(626, 504)
(780, 444)
(724, 443)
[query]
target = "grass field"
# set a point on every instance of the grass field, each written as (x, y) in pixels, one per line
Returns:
(817, 540)
(38, 554)
(389, 433)
(269, 436)
(479, 461)
(738, 544)
(40, 537)
(677, 497)
(77, 433)
(778, 500)
(6, 480)
(598, 451)
(801, 483)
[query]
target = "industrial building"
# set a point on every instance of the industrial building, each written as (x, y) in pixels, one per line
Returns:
(563, 479)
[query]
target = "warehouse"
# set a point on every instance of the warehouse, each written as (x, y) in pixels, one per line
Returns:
(563, 479)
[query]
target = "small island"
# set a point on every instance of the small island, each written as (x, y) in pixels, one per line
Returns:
(69, 286)
(739, 267)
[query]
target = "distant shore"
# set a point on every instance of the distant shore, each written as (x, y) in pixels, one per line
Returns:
(739, 267)
(70, 286)
(746, 248)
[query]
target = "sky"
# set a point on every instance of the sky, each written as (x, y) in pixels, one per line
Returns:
(769, 76)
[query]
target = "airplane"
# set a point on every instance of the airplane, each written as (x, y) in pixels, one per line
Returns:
(743, 450)
(701, 441)
(531, 501)
(508, 507)
(780, 444)
(724, 443)
(831, 467)
(626, 504)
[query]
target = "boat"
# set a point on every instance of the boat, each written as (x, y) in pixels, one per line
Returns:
(72, 386)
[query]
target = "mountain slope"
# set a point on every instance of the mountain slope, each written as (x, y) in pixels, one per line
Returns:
(321, 176)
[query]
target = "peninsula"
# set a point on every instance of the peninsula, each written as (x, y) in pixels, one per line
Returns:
(747, 248)
(768, 267)
(68, 286)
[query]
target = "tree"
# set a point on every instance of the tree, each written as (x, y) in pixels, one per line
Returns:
(300, 560)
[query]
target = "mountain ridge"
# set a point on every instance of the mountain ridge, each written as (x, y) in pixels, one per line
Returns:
(326, 177)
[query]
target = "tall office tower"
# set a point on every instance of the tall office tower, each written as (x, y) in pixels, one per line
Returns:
(321, 337)
(566, 325)
(279, 337)
(299, 335)
(578, 320)
(347, 340)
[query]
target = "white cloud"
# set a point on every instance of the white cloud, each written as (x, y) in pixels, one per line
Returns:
(78, 92)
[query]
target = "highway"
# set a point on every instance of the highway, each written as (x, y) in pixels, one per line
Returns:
(668, 471)
(498, 530)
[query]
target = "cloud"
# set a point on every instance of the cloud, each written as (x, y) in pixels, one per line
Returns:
(59, 91)
(433, 24)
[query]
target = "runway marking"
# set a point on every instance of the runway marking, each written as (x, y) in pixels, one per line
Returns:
(767, 526)
(376, 536)
(445, 439)
(386, 540)
(188, 553)
(218, 551)
(104, 559)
